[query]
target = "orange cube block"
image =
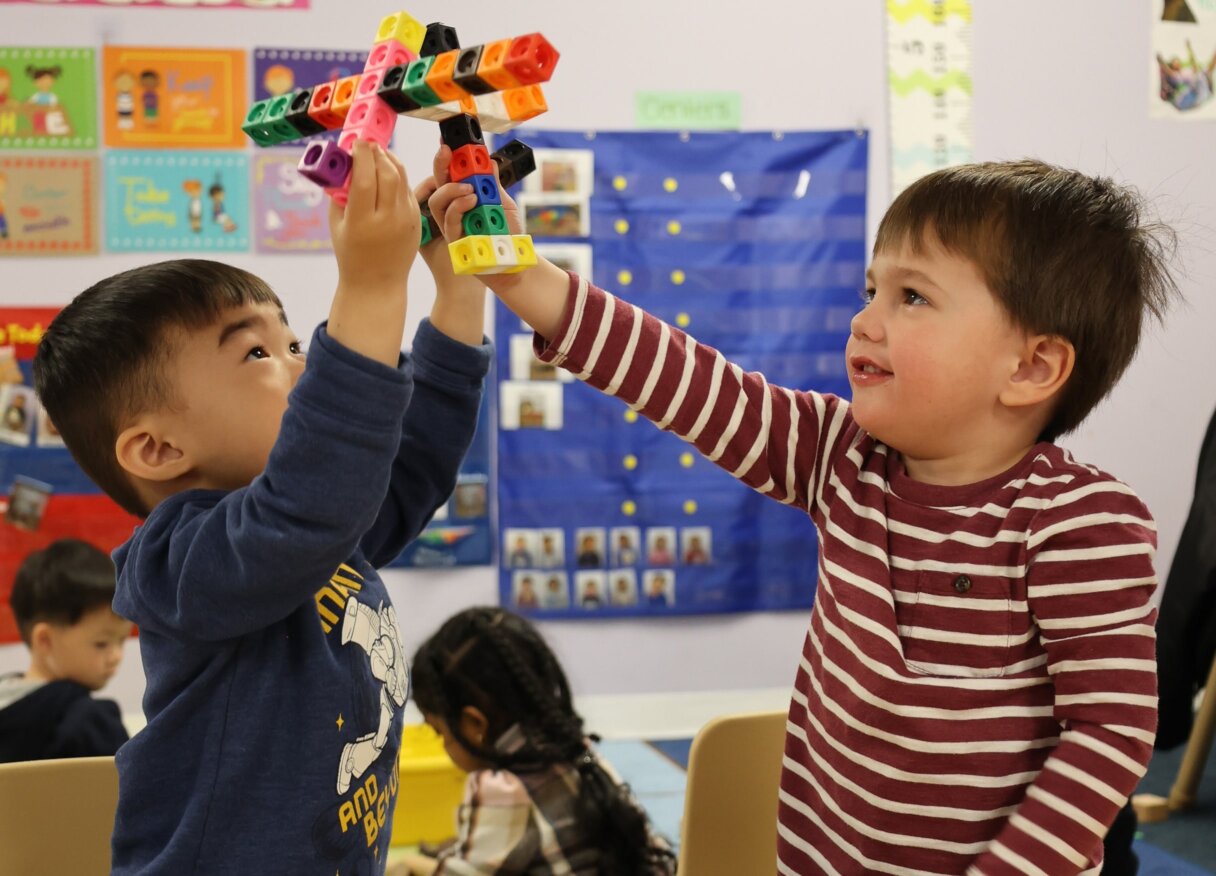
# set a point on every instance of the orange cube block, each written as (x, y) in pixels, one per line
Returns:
(524, 103)
(346, 91)
(439, 78)
(492, 69)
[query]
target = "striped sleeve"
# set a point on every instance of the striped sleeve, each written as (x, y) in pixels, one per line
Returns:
(1089, 589)
(770, 438)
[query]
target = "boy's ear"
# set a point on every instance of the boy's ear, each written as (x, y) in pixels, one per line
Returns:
(1045, 366)
(145, 452)
(474, 725)
(41, 637)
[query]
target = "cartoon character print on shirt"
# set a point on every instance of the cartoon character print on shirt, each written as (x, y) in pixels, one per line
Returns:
(376, 632)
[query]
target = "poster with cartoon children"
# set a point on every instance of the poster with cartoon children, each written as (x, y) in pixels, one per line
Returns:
(48, 98)
(47, 205)
(1184, 60)
(178, 98)
(281, 71)
(179, 200)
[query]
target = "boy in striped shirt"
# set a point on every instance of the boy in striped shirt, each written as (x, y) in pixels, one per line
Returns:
(976, 693)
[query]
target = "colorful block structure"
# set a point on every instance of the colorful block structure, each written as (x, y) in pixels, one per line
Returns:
(424, 72)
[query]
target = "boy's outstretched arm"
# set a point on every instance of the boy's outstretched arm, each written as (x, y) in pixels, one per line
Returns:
(375, 242)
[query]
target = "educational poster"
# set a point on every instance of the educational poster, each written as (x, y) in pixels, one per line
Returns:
(459, 534)
(290, 213)
(48, 98)
(173, 98)
(43, 493)
(176, 4)
(1184, 60)
(281, 71)
(176, 201)
(752, 242)
(48, 205)
(929, 87)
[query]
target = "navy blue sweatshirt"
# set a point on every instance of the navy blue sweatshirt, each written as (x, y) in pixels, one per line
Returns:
(275, 673)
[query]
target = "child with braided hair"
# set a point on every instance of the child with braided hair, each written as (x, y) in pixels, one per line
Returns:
(538, 798)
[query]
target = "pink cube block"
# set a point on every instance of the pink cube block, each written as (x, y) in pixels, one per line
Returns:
(371, 119)
(388, 53)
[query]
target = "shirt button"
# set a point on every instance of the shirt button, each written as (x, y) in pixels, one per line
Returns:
(962, 584)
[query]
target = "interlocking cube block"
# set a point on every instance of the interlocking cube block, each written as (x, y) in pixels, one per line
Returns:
(369, 84)
(372, 119)
(439, 38)
(465, 73)
(325, 163)
(492, 113)
(525, 253)
(345, 92)
(515, 160)
(415, 87)
(341, 193)
(297, 114)
(484, 220)
(491, 69)
(468, 161)
(255, 126)
(486, 188)
(531, 59)
(439, 77)
(472, 255)
(276, 118)
(390, 90)
(505, 255)
(320, 107)
(461, 130)
(388, 53)
(403, 28)
(525, 102)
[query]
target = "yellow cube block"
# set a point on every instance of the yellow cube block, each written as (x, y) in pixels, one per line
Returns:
(404, 28)
(472, 255)
(525, 253)
(430, 792)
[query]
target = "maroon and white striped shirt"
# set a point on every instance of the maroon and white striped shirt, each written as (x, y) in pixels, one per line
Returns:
(977, 688)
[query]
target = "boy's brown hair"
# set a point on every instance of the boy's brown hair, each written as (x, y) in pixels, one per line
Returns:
(1065, 254)
(103, 359)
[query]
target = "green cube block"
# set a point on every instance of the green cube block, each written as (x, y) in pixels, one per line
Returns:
(276, 119)
(486, 219)
(255, 126)
(415, 87)
(427, 237)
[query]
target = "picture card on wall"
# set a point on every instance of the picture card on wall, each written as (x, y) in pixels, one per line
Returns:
(47, 205)
(290, 212)
(48, 98)
(160, 200)
(183, 98)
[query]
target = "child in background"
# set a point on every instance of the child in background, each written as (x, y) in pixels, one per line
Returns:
(538, 797)
(273, 488)
(61, 599)
(976, 692)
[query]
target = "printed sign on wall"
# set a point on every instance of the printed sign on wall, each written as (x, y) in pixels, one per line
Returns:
(290, 212)
(48, 98)
(1184, 60)
(176, 4)
(159, 200)
(173, 97)
(47, 205)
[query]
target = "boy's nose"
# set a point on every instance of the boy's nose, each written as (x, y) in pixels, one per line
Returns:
(866, 324)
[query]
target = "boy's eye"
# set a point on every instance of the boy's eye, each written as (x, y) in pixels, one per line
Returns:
(296, 348)
(911, 296)
(256, 353)
(866, 295)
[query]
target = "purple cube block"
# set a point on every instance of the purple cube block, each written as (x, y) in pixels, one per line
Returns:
(325, 163)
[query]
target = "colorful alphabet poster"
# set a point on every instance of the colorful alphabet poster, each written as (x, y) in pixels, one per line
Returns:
(290, 213)
(1184, 60)
(47, 205)
(753, 243)
(48, 98)
(928, 87)
(43, 493)
(176, 4)
(180, 98)
(176, 201)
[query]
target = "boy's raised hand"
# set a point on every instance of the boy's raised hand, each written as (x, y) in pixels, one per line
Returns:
(376, 234)
(375, 239)
(544, 303)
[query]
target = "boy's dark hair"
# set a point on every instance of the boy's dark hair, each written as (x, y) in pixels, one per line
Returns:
(102, 359)
(496, 661)
(1065, 254)
(60, 584)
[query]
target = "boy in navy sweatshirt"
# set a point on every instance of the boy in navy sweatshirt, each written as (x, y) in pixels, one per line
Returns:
(273, 488)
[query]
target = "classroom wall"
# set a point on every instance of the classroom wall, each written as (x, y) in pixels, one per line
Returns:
(1068, 83)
